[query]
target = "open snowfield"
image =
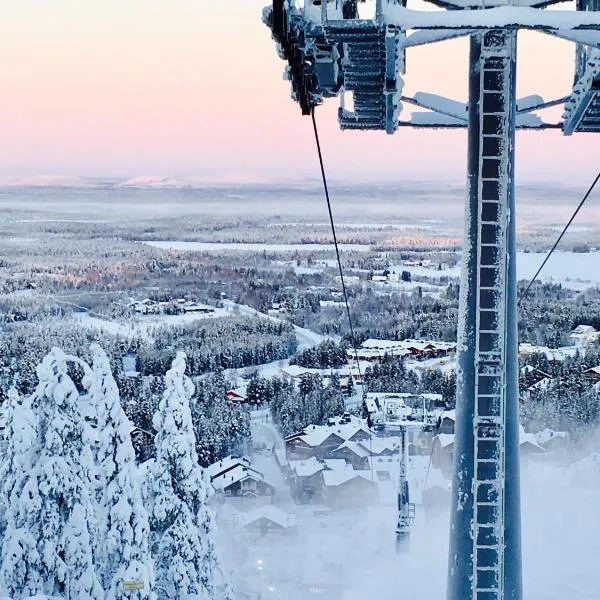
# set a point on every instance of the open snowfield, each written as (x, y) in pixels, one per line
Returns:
(143, 325)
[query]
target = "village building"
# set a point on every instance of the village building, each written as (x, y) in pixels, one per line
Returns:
(353, 453)
(447, 422)
(237, 395)
(348, 489)
(233, 476)
(442, 452)
(320, 440)
(242, 481)
(269, 519)
(584, 335)
(306, 479)
(593, 374)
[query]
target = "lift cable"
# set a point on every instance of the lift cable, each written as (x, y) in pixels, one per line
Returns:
(344, 291)
(335, 242)
(560, 237)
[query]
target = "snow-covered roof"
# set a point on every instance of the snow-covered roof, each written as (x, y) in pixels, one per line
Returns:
(238, 473)
(336, 463)
(528, 438)
(338, 477)
(406, 344)
(547, 435)
(226, 463)
(355, 447)
(552, 354)
(271, 513)
(542, 384)
(445, 439)
(306, 468)
(449, 414)
(594, 370)
(294, 371)
(315, 435)
(281, 456)
(377, 445)
(584, 329)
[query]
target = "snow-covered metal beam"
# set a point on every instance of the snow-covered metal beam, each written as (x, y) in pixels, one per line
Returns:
(586, 38)
(433, 120)
(502, 17)
(463, 4)
(420, 38)
(541, 105)
(457, 111)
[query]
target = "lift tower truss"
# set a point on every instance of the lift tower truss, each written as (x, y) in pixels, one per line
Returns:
(331, 51)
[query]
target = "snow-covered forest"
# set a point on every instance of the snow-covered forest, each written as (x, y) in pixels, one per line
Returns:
(112, 440)
(79, 518)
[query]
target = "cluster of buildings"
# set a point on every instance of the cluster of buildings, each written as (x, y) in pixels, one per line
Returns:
(372, 350)
(530, 444)
(342, 464)
(172, 307)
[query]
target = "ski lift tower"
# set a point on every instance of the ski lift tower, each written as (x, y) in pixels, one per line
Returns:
(330, 51)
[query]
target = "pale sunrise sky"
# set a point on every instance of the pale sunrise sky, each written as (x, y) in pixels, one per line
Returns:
(194, 88)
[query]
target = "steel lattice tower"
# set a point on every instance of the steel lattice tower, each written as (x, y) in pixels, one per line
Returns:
(330, 51)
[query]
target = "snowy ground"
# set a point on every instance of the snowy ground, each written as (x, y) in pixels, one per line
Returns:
(142, 325)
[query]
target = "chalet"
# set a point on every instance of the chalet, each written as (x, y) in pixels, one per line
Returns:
(353, 453)
(238, 396)
(551, 354)
(226, 464)
(529, 376)
(583, 335)
(442, 453)
(269, 519)
(242, 481)
(446, 422)
(312, 443)
(348, 488)
(294, 373)
(320, 440)
(593, 374)
(306, 479)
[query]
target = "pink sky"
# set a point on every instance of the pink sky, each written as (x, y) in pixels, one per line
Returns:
(194, 88)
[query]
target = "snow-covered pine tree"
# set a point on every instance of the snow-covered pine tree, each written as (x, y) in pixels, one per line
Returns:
(123, 541)
(181, 524)
(48, 544)
(16, 444)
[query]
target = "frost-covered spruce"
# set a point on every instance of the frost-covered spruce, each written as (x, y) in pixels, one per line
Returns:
(48, 544)
(182, 527)
(123, 540)
(16, 444)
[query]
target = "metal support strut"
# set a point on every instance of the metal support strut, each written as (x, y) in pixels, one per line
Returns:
(485, 552)
(406, 510)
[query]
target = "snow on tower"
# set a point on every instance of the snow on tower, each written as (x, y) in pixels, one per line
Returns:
(49, 542)
(124, 556)
(181, 524)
